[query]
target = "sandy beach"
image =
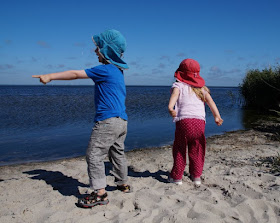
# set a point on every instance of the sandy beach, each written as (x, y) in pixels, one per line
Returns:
(240, 184)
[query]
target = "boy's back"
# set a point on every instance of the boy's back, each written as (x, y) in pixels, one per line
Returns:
(110, 91)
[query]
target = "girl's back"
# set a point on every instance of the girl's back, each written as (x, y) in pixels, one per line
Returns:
(188, 104)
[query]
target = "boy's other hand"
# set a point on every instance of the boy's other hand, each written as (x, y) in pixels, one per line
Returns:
(43, 78)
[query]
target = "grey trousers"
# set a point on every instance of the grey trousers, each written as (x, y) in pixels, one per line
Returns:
(107, 138)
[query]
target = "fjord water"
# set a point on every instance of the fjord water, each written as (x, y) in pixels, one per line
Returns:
(40, 123)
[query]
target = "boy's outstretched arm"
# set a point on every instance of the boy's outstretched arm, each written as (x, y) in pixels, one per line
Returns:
(65, 75)
(172, 101)
(214, 109)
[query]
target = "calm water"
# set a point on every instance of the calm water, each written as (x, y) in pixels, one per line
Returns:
(41, 123)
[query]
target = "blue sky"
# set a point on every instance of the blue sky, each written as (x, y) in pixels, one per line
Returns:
(226, 37)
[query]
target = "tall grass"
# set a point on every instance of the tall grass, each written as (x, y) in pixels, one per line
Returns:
(261, 89)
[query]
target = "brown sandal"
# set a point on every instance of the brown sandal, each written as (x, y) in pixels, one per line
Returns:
(92, 200)
(125, 189)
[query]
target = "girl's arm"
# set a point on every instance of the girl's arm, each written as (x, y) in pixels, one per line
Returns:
(173, 98)
(214, 109)
(65, 75)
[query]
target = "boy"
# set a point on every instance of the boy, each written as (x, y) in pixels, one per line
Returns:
(110, 129)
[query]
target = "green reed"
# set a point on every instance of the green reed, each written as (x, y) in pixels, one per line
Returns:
(261, 89)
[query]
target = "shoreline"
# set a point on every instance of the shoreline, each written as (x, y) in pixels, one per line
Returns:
(83, 156)
(239, 184)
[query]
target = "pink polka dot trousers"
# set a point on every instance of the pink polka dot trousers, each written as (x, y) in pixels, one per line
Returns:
(189, 134)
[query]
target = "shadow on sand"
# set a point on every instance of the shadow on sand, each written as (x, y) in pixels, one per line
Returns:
(68, 186)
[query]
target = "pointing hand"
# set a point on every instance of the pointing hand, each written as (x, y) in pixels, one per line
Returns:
(43, 78)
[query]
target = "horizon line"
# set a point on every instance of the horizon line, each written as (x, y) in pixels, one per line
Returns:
(89, 85)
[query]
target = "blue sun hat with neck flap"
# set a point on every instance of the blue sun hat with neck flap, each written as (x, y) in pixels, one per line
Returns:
(111, 44)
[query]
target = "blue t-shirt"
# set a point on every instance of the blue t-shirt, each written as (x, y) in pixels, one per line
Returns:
(110, 92)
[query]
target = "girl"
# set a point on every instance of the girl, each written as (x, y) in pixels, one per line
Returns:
(186, 106)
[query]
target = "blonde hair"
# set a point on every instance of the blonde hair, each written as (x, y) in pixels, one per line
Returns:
(199, 92)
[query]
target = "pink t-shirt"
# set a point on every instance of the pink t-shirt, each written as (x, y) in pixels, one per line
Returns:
(188, 104)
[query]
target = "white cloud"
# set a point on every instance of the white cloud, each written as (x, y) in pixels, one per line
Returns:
(6, 66)
(43, 44)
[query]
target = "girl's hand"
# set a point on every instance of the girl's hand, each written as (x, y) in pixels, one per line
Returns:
(173, 113)
(172, 101)
(219, 121)
(43, 78)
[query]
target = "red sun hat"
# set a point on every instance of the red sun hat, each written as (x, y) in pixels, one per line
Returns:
(188, 72)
